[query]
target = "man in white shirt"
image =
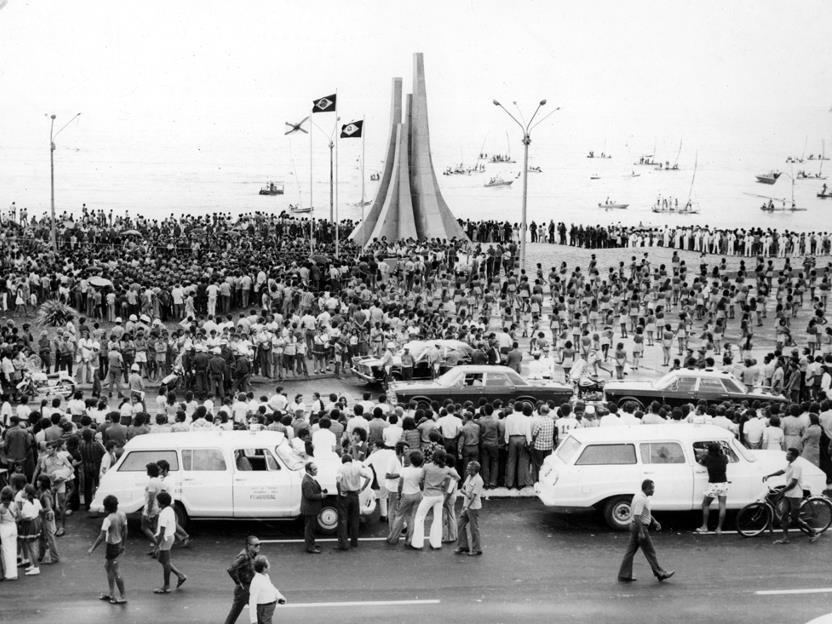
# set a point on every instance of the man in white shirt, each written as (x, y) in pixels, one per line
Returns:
(323, 440)
(753, 430)
(518, 436)
(609, 418)
(640, 522)
(792, 496)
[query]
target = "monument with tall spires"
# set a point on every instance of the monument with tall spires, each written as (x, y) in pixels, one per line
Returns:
(409, 203)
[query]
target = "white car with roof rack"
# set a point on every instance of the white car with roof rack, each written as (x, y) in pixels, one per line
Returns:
(603, 467)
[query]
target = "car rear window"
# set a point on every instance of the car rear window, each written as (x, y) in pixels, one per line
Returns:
(137, 461)
(606, 454)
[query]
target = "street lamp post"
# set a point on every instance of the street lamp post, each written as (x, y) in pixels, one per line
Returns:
(527, 139)
(53, 232)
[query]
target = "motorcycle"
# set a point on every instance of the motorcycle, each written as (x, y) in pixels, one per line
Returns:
(37, 383)
(174, 380)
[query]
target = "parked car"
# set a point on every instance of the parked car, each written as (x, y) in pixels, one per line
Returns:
(472, 382)
(686, 386)
(602, 468)
(451, 353)
(230, 475)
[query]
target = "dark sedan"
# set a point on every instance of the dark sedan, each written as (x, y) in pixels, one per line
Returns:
(472, 382)
(686, 386)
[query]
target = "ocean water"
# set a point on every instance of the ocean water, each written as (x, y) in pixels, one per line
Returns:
(223, 170)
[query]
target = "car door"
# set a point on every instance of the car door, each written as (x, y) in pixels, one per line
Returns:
(205, 483)
(743, 478)
(128, 478)
(498, 385)
(472, 386)
(262, 487)
(671, 470)
(680, 391)
(711, 389)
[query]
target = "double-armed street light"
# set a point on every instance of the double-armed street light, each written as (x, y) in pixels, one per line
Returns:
(53, 234)
(526, 128)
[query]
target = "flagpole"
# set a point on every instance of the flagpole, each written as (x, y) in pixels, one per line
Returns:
(362, 170)
(337, 228)
(311, 203)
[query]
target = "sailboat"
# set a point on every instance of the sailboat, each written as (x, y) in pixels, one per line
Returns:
(804, 175)
(794, 159)
(688, 207)
(503, 158)
(822, 155)
(770, 207)
(666, 166)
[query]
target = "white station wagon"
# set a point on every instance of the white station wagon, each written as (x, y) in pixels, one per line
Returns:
(230, 475)
(602, 468)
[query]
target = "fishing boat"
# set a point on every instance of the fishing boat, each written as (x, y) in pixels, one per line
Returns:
(822, 155)
(375, 176)
(768, 178)
(770, 207)
(666, 166)
(824, 193)
(608, 205)
(646, 160)
(272, 188)
(299, 209)
(498, 181)
(633, 175)
(595, 177)
(673, 208)
(604, 155)
(534, 169)
(805, 175)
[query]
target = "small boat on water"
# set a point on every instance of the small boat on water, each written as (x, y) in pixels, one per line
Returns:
(608, 205)
(535, 169)
(592, 154)
(595, 177)
(272, 188)
(498, 181)
(647, 161)
(825, 193)
(300, 210)
(667, 166)
(772, 208)
(803, 175)
(375, 176)
(686, 209)
(768, 178)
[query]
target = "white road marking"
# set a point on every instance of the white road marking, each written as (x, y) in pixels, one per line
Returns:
(359, 603)
(325, 539)
(782, 592)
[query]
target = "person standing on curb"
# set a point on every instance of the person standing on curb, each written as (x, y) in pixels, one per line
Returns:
(717, 465)
(114, 534)
(241, 572)
(640, 521)
(310, 506)
(165, 532)
(469, 515)
(263, 595)
(351, 479)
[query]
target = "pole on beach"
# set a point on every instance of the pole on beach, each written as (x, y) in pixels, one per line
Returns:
(53, 230)
(335, 134)
(526, 128)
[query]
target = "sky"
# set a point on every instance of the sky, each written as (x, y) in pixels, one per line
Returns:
(166, 80)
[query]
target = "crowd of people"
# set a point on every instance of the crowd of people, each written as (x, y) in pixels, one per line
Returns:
(206, 303)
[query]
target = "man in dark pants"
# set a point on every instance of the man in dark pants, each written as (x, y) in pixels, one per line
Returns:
(640, 521)
(351, 479)
(310, 506)
(241, 572)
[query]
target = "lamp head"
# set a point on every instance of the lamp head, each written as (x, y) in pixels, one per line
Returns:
(496, 103)
(542, 102)
(52, 116)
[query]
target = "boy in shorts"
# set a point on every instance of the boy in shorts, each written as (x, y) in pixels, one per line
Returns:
(114, 534)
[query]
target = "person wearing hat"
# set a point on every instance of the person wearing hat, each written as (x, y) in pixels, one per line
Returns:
(200, 370)
(135, 384)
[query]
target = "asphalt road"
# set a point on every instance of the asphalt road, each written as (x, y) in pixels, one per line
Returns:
(536, 565)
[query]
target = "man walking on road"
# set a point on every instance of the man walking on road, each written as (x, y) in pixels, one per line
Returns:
(241, 572)
(640, 521)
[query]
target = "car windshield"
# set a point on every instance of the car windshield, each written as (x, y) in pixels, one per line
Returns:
(746, 453)
(289, 456)
(567, 450)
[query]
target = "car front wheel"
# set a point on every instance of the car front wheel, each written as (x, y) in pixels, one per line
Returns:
(617, 512)
(328, 517)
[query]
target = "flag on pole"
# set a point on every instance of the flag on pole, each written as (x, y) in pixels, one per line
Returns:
(352, 130)
(325, 104)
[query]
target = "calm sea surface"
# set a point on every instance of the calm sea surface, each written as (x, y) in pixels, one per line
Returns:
(225, 171)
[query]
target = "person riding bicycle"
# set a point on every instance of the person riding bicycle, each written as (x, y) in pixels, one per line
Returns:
(792, 495)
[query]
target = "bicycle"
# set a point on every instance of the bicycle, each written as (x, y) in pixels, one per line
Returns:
(815, 515)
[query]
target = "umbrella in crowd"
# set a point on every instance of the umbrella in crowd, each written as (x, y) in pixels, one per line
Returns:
(131, 233)
(100, 282)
